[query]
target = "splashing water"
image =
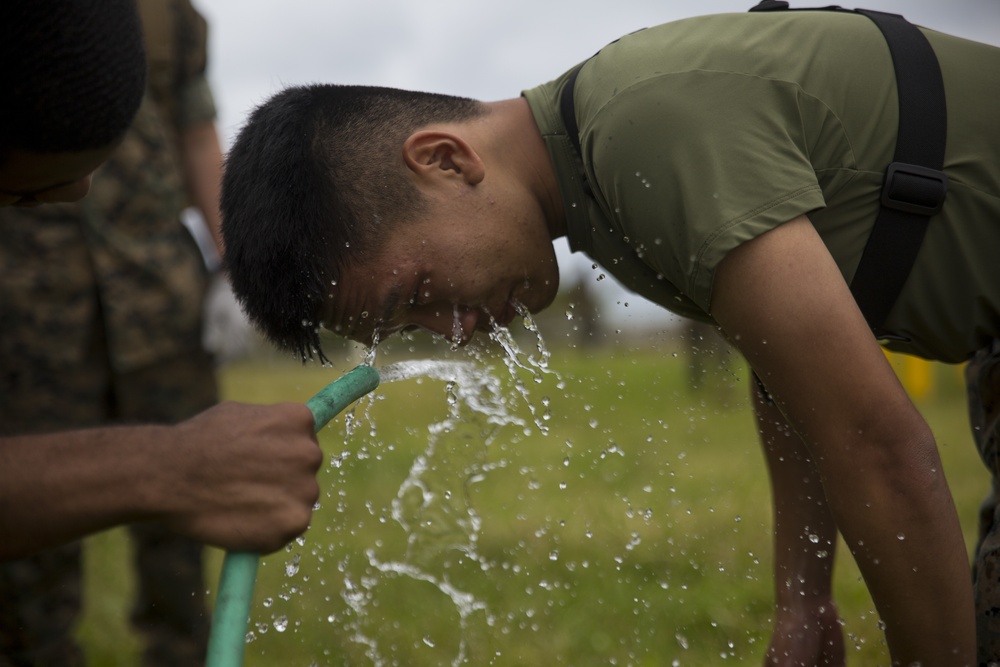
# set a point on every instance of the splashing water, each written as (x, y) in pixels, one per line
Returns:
(456, 329)
(434, 505)
(431, 506)
(478, 540)
(470, 384)
(536, 366)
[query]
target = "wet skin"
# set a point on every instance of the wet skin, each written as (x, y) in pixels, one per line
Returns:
(478, 250)
(29, 179)
(451, 276)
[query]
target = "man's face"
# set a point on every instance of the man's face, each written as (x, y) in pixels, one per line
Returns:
(449, 273)
(28, 179)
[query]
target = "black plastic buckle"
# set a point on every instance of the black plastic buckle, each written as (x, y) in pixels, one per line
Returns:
(914, 189)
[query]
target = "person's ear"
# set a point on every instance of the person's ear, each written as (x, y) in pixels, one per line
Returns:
(433, 153)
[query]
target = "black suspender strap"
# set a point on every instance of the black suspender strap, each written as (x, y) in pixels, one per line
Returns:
(567, 109)
(915, 185)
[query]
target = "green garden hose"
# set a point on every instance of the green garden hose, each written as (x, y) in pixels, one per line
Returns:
(239, 568)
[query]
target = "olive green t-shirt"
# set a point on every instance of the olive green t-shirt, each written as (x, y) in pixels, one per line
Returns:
(702, 134)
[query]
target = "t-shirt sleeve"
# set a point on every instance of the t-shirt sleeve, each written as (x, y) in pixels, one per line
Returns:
(195, 103)
(691, 165)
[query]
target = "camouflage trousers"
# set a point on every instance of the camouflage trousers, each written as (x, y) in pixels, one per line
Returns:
(41, 596)
(983, 384)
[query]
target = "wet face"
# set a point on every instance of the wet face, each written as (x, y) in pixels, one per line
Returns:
(29, 179)
(451, 274)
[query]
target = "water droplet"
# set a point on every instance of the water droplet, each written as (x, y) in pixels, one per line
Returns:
(281, 623)
(292, 566)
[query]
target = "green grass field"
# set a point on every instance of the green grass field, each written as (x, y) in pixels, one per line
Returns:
(635, 532)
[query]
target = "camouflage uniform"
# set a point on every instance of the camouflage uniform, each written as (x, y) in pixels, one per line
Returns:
(982, 376)
(100, 322)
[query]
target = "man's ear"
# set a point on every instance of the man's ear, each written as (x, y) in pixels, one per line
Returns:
(434, 153)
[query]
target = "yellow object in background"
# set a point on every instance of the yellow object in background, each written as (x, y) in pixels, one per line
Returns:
(922, 378)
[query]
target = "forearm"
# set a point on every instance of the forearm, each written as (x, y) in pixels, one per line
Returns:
(805, 534)
(201, 162)
(58, 487)
(807, 627)
(898, 519)
(236, 476)
(887, 494)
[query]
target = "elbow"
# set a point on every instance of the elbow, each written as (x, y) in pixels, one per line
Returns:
(898, 458)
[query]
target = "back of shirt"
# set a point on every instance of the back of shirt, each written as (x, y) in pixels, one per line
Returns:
(702, 134)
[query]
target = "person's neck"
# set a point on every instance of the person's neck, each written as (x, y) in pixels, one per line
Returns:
(522, 151)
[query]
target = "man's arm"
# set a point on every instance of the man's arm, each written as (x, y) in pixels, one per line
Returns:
(201, 164)
(807, 628)
(784, 303)
(236, 476)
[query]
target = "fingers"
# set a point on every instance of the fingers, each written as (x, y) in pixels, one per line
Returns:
(244, 476)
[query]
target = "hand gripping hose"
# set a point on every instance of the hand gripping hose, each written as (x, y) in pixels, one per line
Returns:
(239, 568)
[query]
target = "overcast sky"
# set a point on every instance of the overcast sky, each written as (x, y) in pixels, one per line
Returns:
(486, 50)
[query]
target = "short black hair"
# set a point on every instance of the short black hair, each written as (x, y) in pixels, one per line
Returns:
(72, 74)
(312, 182)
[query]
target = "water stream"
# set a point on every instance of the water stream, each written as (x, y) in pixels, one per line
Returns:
(431, 505)
(426, 546)
(463, 524)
